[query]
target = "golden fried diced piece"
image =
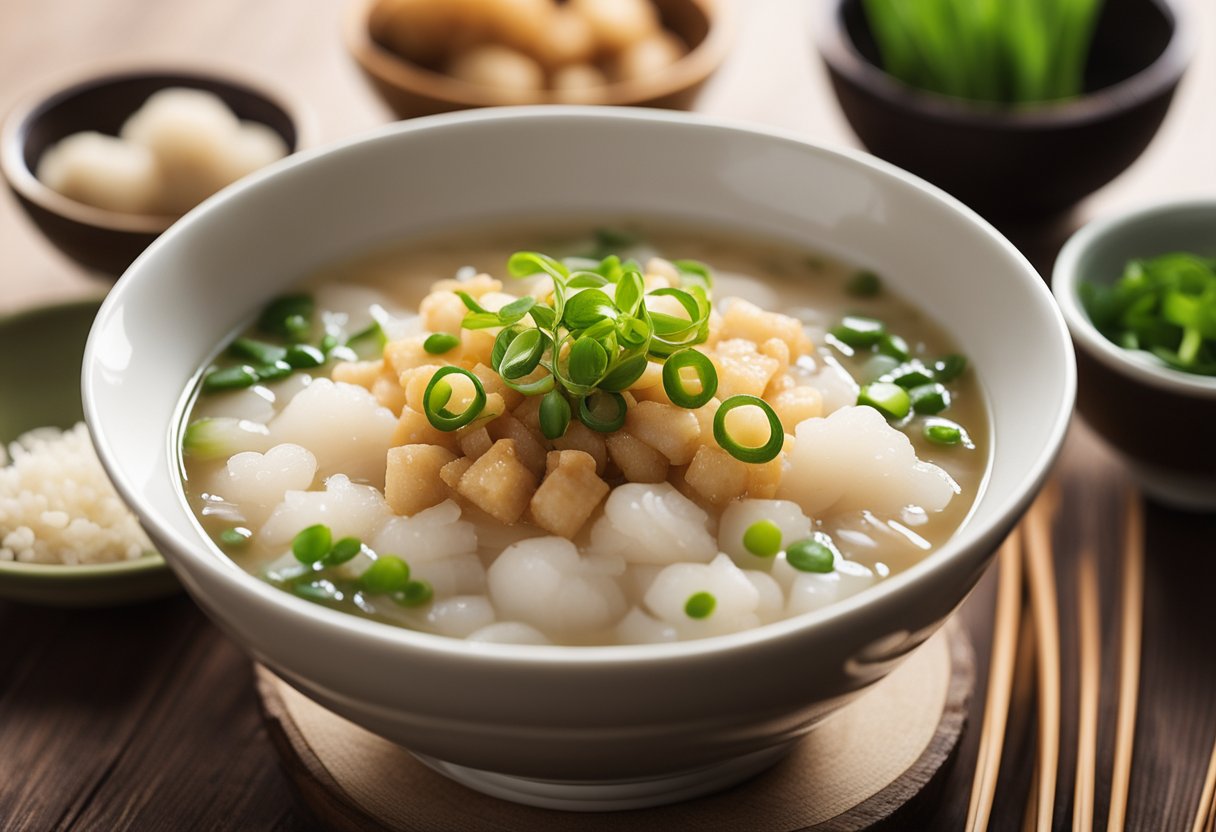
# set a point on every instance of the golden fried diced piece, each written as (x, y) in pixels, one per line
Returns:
(716, 476)
(763, 478)
(570, 492)
(499, 483)
(476, 346)
(413, 428)
(362, 373)
(638, 461)
(454, 470)
(475, 443)
(797, 404)
(528, 448)
(528, 412)
(492, 382)
(672, 431)
(476, 286)
(412, 481)
(779, 351)
(406, 353)
(742, 369)
(579, 437)
(746, 320)
(414, 382)
(442, 312)
(388, 392)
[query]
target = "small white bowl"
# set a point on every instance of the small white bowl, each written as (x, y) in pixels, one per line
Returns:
(1158, 419)
(575, 727)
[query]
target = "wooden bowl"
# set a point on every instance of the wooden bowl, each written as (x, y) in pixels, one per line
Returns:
(99, 239)
(413, 90)
(1027, 162)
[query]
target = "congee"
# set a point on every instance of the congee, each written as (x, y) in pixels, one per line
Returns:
(640, 433)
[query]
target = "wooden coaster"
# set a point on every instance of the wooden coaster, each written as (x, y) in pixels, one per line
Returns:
(855, 770)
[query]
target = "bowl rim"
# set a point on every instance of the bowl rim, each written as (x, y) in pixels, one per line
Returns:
(70, 573)
(15, 126)
(388, 67)
(1066, 277)
(841, 55)
(389, 637)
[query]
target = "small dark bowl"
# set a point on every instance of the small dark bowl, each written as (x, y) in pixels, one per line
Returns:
(102, 240)
(1026, 162)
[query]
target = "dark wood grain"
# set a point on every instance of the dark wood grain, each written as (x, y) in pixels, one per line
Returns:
(146, 718)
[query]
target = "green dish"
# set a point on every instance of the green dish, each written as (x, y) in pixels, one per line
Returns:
(40, 354)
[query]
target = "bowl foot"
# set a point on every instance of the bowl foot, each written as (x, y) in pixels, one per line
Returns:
(611, 795)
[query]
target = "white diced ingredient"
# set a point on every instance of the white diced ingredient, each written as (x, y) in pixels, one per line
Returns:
(810, 591)
(509, 632)
(348, 509)
(102, 171)
(256, 483)
(736, 598)
(739, 516)
(460, 616)
(430, 535)
(653, 523)
(455, 575)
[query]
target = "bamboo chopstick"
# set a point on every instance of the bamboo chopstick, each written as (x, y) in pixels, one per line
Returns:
(1000, 682)
(1132, 612)
(1205, 815)
(1043, 608)
(1090, 679)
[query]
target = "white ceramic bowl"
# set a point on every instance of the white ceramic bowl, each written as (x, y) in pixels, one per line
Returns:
(1158, 419)
(586, 727)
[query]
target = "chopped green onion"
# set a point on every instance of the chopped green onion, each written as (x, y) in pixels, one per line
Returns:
(864, 284)
(368, 343)
(343, 551)
(763, 453)
(909, 375)
(388, 573)
(945, 432)
(321, 590)
(235, 537)
(700, 605)
(929, 399)
(439, 392)
(858, 331)
(894, 346)
(554, 415)
(304, 356)
(329, 342)
(273, 372)
(289, 317)
(763, 538)
(588, 308)
(437, 343)
(629, 292)
(230, 378)
(625, 373)
(522, 355)
(312, 544)
(696, 270)
(948, 368)
(414, 594)
(673, 382)
(889, 399)
(587, 362)
(810, 555)
(259, 352)
(588, 416)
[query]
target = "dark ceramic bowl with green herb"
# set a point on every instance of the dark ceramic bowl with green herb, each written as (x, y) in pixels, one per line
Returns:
(40, 358)
(1138, 292)
(1020, 139)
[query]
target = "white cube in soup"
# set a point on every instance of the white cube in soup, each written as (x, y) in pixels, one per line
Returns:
(219, 437)
(432, 534)
(451, 576)
(732, 607)
(102, 171)
(343, 425)
(255, 483)
(189, 132)
(638, 627)
(811, 591)
(618, 23)
(349, 509)
(771, 604)
(544, 582)
(460, 615)
(648, 57)
(853, 459)
(739, 516)
(653, 524)
(497, 67)
(509, 632)
(411, 478)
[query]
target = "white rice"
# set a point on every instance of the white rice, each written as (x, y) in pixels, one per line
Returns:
(58, 506)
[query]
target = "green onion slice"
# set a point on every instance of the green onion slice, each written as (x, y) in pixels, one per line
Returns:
(673, 381)
(368, 343)
(437, 343)
(522, 355)
(414, 594)
(289, 316)
(304, 356)
(235, 537)
(528, 263)
(628, 369)
(864, 284)
(700, 605)
(587, 308)
(259, 352)
(439, 392)
(945, 432)
(388, 573)
(588, 416)
(312, 544)
(587, 362)
(811, 555)
(343, 551)
(769, 450)
(230, 378)
(887, 398)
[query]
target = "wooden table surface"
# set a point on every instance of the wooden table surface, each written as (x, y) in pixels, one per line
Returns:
(145, 717)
